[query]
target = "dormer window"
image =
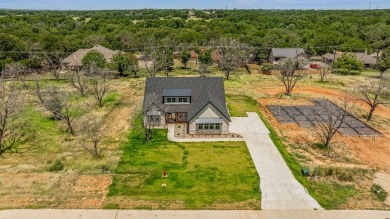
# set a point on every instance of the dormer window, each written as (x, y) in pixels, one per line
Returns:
(177, 96)
(170, 100)
(183, 99)
(176, 100)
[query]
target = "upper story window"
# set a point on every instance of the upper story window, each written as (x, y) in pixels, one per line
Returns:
(177, 96)
(177, 100)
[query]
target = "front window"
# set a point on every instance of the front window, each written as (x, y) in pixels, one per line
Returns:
(154, 118)
(209, 126)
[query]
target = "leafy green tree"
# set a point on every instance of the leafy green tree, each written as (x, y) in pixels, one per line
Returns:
(205, 60)
(383, 62)
(123, 62)
(349, 62)
(185, 57)
(267, 67)
(94, 57)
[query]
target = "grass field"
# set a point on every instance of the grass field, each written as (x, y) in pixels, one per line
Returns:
(200, 175)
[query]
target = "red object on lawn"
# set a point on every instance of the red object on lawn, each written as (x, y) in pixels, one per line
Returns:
(314, 66)
(164, 173)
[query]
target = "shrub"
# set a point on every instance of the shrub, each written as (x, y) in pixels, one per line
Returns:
(267, 66)
(379, 192)
(56, 166)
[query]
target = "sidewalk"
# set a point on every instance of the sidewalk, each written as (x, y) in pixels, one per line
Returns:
(199, 214)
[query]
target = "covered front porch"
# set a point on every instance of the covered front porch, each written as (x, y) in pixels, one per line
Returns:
(176, 117)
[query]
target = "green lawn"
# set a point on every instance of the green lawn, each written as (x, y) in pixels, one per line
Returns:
(329, 195)
(200, 175)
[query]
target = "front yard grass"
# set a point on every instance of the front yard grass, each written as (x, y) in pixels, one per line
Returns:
(328, 195)
(204, 175)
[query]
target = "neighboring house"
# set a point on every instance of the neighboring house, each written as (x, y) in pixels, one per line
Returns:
(367, 60)
(75, 60)
(196, 102)
(277, 54)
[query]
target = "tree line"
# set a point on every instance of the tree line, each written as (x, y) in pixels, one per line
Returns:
(25, 32)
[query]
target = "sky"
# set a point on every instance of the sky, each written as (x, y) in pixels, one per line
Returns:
(197, 4)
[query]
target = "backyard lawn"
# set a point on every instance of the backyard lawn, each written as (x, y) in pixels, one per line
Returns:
(215, 175)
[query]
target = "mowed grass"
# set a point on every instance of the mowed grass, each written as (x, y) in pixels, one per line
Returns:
(200, 175)
(328, 195)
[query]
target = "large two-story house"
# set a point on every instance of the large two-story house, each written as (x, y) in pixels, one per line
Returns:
(198, 102)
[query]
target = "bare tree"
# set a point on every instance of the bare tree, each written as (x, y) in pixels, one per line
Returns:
(92, 136)
(328, 123)
(289, 72)
(99, 87)
(11, 124)
(70, 114)
(152, 57)
(203, 69)
(151, 111)
(54, 62)
(79, 81)
(16, 70)
(92, 70)
(38, 88)
(60, 104)
(375, 93)
(232, 54)
(324, 71)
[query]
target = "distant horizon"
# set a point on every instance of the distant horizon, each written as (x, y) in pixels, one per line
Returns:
(195, 9)
(83, 5)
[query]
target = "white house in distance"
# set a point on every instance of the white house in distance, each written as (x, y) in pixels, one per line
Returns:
(197, 102)
(278, 54)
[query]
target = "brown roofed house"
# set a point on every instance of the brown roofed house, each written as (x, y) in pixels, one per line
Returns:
(366, 59)
(74, 61)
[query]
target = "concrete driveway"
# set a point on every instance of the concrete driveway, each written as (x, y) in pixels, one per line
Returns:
(279, 188)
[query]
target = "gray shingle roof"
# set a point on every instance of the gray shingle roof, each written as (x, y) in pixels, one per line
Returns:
(287, 52)
(203, 91)
(183, 92)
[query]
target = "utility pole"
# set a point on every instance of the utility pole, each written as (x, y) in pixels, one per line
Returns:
(334, 58)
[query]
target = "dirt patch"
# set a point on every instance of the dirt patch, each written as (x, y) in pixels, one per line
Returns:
(128, 203)
(53, 190)
(245, 205)
(374, 152)
(383, 179)
(365, 199)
